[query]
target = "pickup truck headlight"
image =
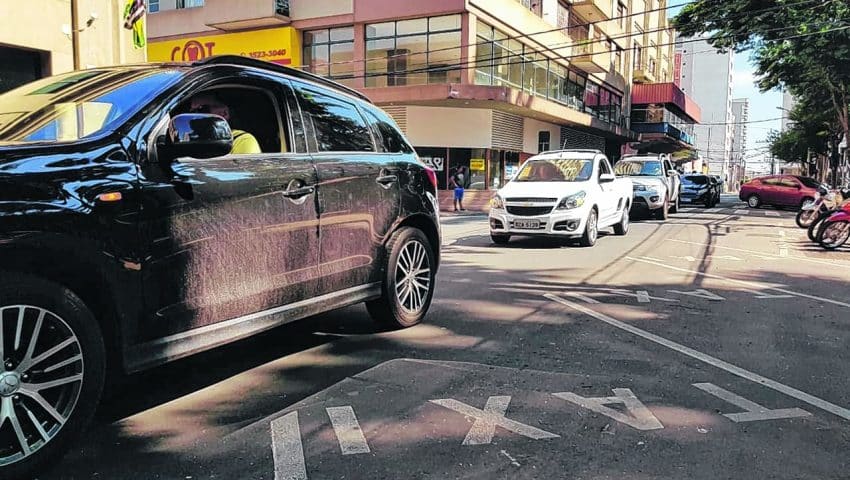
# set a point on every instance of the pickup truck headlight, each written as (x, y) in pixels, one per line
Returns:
(496, 203)
(571, 202)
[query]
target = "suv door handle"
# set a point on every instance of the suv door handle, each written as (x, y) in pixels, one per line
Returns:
(386, 180)
(299, 192)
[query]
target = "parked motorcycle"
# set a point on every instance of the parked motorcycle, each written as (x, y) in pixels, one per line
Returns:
(807, 215)
(835, 230)
(826, 206)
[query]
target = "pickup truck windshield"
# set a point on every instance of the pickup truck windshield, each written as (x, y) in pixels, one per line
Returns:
(78, 104)
(556, 170)
(636, 168)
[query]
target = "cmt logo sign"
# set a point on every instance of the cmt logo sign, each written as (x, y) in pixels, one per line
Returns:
(191, 51)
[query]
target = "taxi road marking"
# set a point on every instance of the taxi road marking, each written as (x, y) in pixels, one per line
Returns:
(487, 420)
(640, 417)
(754, 411)
(733, 369)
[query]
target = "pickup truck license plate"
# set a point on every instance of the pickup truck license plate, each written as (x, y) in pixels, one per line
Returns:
(527, 224)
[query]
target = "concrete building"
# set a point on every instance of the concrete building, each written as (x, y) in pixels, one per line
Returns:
(706, 76)
(788, 104)
(741, 115)
(39, 40)
(476, 84)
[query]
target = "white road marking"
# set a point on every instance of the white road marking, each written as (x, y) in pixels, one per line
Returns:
(686, 258)
(512, 459)
(783, 251)
(643, 296)
(726, 257)
(744, 282)
(347, 430)
(742, 212)
(639, 416)
(714, 210)
(761, 255)
(772, 214)
(754, 411)
(699, 293)
(733, 369)
(487, 420)
(583, 298)
(638, 295)
(287, 450)
(694, 259)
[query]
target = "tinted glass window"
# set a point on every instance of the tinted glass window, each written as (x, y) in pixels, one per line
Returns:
(770, 181)
(788, 183)
(604, 167)
(338, 125)
(76, 105)
(809, 182)
(391, 140)
(565, 170)
(639, 168)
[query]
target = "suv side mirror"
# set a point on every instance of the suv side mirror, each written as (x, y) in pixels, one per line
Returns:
(606, 178)
(197, 135)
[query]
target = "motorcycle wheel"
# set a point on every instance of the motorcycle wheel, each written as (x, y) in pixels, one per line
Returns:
(832, 235)
(813, 228)
(806, 217)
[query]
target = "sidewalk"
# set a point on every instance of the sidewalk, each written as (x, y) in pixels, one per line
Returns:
(474, 201)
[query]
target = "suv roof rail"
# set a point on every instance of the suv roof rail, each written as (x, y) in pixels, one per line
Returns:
(292, 72)
(577, 150)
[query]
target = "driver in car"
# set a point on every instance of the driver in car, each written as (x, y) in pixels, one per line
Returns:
(243, 142)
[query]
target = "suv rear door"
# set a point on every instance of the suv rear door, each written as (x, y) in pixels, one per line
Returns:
(359, 196)
(232, 235)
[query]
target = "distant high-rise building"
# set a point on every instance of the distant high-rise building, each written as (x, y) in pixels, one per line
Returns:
(706, 76)
(741, 115)
(788, 103)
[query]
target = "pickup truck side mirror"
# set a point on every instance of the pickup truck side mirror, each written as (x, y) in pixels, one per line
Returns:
(196, 135)
(672, 173)
(606, 178)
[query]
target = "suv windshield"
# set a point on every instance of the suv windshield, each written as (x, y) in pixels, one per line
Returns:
(556, 170)
(696, 179)
(79, 104)
(638, 168)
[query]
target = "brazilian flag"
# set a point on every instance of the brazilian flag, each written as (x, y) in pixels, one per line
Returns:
(134, 19)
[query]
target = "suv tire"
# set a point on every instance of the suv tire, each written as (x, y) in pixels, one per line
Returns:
(408, 284)
(61, 316)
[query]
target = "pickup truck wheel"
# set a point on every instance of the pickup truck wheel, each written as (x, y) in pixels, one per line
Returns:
(408, 285)
(500, 239)
(675, 207)
(663, 213)
(591, 229)
(51, 375)
(622, 228)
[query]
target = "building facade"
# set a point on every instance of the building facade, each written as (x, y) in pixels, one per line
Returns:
(482, 85)
(740, 152)
(706, 76)
(48, 40)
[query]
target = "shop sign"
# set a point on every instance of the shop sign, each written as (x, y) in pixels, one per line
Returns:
(276, 45)
(477, 164)
(436, 163)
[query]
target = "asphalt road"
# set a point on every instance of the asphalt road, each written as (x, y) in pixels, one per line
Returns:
(715, 345)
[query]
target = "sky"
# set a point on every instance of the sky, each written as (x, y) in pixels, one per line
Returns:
(762, 105)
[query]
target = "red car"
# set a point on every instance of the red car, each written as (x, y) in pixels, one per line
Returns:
(780, 191)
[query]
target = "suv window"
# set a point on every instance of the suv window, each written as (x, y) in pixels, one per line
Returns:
(390, 140)
(337, 124)
(772, 181)
(788, 183)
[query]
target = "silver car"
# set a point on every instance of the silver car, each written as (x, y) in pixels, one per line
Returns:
(655, 183)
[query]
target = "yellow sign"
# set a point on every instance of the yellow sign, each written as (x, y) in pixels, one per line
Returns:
(477, 164)
(277, 45)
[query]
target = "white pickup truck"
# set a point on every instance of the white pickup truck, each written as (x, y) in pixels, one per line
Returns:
(565, 193)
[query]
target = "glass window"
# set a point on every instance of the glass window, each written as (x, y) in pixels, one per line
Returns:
(413, 52)
(544, 138)
(604, 167)
(330, 52)
(391, 139)
(79, 104)
(551, 170)
(638, 168)
(189, 3)
(153, 6)
(622, 13)
(338, 125)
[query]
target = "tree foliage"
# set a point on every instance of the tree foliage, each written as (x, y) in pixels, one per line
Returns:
(801, 46)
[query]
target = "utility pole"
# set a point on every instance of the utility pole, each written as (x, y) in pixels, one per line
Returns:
(75, 33)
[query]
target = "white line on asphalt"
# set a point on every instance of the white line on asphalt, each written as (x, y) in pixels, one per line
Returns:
(487, 420)
(347, 429)
(742, 212)
(583, 298)
(287, 450)
(714, 210)
(743, 282)
(641, 418)
(716, 362)
(642, 296)
(772, 214)
(766, 256)
(754, 411)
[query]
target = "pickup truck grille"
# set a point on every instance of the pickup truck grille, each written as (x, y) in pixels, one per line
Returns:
(528, 211)
(531, 199)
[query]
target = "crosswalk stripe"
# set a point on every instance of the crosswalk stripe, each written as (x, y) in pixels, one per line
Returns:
(742, 212)
(772, 214)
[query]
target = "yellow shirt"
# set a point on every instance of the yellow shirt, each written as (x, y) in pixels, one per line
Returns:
(244, 142)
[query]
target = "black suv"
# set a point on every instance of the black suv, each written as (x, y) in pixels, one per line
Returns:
(134, 232)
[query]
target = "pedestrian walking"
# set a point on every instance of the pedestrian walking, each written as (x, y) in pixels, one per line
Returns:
(458, 182)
